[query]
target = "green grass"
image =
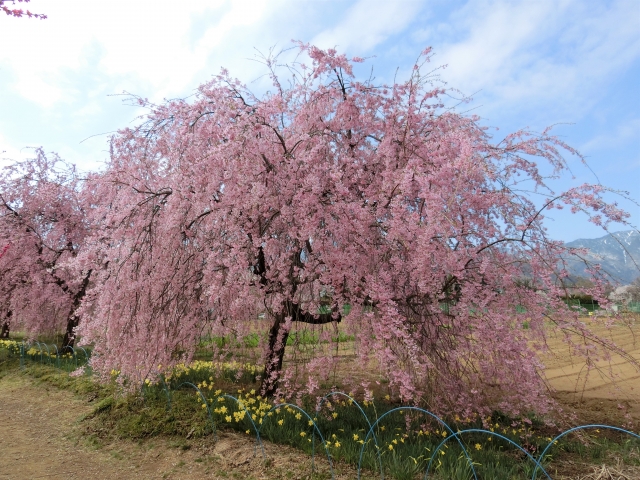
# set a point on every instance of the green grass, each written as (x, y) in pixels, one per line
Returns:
(252, 340)
(47, 353)
(406, 440)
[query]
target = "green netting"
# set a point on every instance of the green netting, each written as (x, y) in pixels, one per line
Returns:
(589, 306)
(633, 307)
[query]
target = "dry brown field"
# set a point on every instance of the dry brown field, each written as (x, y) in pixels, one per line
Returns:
(611, 388)
(604, 393)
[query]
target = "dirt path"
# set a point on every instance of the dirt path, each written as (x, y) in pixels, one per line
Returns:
(40, 438)
(35, 435)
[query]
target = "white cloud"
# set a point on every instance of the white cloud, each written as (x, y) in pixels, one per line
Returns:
(367, 24)
(91, 109)
(552, 53)
(148, 44)
(492, 49)
(625, 132)
(38, 90)
(160, 48)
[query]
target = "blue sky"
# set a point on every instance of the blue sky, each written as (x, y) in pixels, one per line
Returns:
(528, 63)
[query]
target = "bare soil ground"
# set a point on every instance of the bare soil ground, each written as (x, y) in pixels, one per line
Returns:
(41, 436)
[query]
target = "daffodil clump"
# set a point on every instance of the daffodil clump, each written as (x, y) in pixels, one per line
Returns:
(11, 346)
(200, 370)
(404, 437)
(34, 352)
(244, 408)
(335, 427)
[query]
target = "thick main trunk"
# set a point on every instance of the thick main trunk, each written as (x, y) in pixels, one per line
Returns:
(73, 319)
(6, 325)
(278, 336)
(69, 335)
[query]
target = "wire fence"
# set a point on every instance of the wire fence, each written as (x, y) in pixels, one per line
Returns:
(70, 359)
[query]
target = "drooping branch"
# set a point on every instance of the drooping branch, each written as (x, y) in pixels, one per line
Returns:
(297, 314)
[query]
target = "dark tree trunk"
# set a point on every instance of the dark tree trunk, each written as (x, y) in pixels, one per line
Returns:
(73, 319)
(4, 333)
(278, 336)
(69, 335)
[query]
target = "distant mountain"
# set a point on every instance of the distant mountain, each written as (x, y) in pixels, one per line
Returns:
(615, 253)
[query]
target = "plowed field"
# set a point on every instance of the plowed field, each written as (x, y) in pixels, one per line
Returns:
(611, 387)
